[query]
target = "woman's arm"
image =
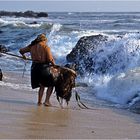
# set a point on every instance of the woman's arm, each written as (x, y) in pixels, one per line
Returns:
(50, 56)
(25, 50)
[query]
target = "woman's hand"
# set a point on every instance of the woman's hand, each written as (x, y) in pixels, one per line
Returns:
(24, 57)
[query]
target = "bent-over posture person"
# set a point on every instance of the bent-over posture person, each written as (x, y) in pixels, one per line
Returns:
(40, 54)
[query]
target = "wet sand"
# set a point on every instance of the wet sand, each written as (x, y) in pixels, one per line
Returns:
(21, 118)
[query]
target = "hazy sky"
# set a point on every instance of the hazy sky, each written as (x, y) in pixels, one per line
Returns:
(72, 6)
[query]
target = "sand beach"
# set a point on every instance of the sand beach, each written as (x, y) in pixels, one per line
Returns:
(21, 118)
(105, 46)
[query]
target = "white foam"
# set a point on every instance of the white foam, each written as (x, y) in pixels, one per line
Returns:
(123, 88)
(16, 86)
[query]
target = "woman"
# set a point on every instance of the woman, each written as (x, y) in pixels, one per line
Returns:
(40, 54)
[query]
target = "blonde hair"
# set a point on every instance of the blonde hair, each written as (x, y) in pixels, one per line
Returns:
(41, 37)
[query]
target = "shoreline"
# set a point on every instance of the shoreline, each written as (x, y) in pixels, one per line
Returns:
(21, 118)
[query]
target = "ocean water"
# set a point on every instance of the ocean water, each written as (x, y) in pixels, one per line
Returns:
(120, 87)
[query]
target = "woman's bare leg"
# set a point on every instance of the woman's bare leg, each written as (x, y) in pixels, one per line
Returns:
(48, 95)
(40, 94)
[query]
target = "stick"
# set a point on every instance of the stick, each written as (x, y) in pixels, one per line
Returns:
(16, 55)
(24, 69)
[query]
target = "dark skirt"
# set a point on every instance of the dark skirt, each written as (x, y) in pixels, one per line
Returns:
(40, 75)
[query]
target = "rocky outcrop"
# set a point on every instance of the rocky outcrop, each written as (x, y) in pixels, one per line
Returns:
(3, 49)
(135, 107)
(84, 52)
(1, 75)
(24, 14)
(98, 54)
(1, 31)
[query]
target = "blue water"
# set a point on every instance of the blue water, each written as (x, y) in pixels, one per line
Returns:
(120, 86)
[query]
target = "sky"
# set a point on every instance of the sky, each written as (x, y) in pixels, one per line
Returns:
(71, 6)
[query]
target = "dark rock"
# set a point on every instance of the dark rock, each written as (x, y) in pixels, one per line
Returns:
(92, 55)
(135, 107)
(1, 31)
(34, 22)
(84, 52)
(24, 14)
(3, 48)
(84, 45)
(80, 84)
(1, 75)
(71, 66)
(29, 14)
(42, 14)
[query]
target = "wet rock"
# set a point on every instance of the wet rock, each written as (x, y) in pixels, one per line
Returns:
(83, 53)
(1, 31)
(135, 107)
(1, 75)
(34, 22)
(92, 55)
(3, 49)
(71, 66)
(80, 84)
(24, 14)
(42, 14)
(83, 46)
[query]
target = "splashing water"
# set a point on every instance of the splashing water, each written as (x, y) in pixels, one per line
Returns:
(121, 51)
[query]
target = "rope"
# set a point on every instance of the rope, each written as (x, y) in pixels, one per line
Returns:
(80, 104)
(24, 68)
(21, 58)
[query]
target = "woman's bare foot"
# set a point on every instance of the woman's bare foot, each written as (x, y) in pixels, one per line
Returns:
(39, 103)
(47, 104)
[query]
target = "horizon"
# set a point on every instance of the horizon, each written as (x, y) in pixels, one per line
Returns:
(72, 11)
(71, 6)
